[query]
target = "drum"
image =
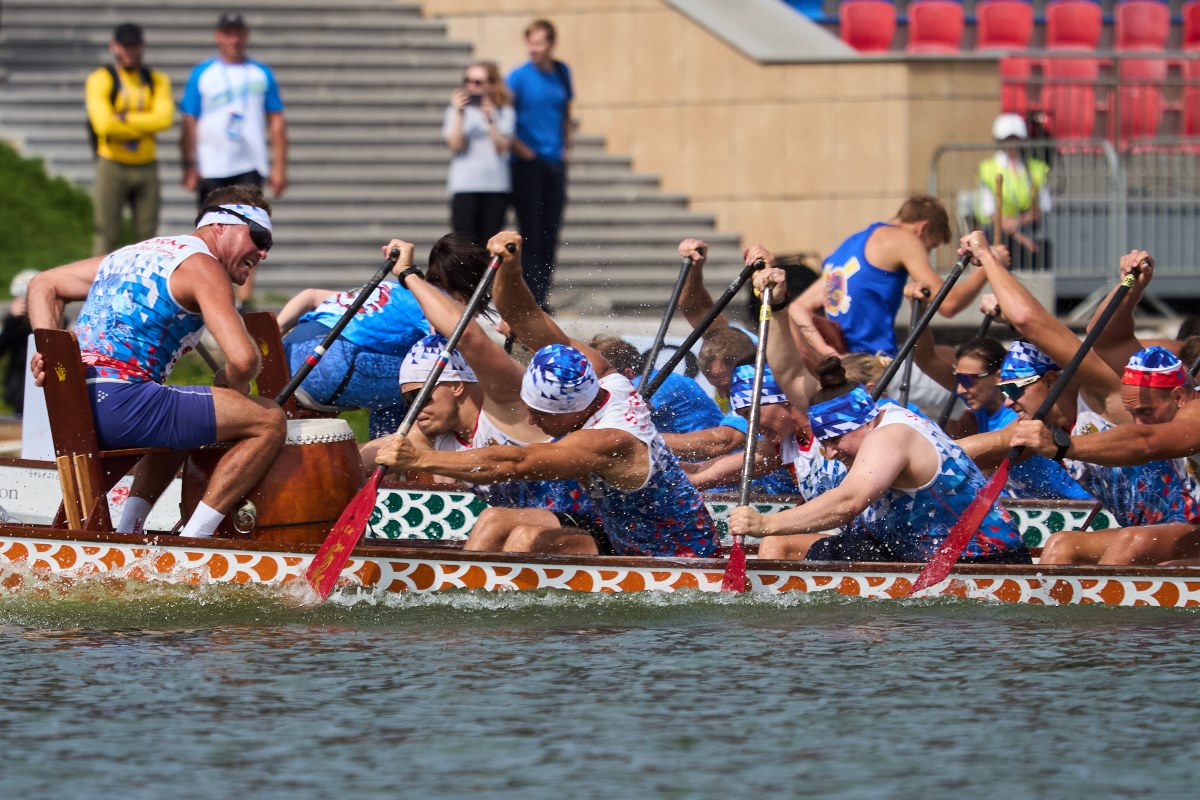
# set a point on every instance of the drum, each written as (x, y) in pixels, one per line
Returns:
(313, 479)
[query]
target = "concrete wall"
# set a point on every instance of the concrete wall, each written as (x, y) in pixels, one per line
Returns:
(793, 155)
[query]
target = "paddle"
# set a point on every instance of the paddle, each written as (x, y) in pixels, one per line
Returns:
(947, 555)
(652, 356)
(916, 330)
(701, 328)
(955, 396)
(312, 358)
(327, 564)
(1194, 369)
(734, 579)
(906, 375)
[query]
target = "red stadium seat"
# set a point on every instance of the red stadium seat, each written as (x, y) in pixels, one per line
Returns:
(1191, 99)
(1003, 24)
(1073, 25)
(1191, 25)
(1143, 25)
(1014, 81)
(934, 26)
(867, 25)
(1069, 99)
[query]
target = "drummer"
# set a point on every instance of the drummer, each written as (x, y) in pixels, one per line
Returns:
(144, 306)
(603, 437)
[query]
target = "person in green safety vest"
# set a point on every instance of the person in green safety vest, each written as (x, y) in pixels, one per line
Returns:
(1025, 190)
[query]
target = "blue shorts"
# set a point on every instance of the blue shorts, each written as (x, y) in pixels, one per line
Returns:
(148, 414)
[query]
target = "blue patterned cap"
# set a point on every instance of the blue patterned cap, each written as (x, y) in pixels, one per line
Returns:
(1024, 360)
(842, 414)
(741, 389)
(559, 380)
(423, 356)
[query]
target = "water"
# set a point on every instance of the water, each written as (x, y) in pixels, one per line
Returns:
(141, 691)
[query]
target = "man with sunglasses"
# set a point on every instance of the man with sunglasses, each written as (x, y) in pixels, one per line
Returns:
(1164, 438)
(144, 306)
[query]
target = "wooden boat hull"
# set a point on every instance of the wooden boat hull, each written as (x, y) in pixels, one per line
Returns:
(33, 554)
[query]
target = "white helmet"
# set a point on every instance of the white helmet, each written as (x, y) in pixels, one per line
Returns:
(20, 282)
(1009, 126)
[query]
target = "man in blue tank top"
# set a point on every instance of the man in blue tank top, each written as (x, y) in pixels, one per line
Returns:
(144, 306)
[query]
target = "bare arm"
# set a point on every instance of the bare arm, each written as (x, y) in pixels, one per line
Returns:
(709, 443)
(455, 139)
(300, 305)
(727, 470)
(187, 152)
(277, 132)
(1123, 445)
(1117, 340)
(694, 300)
(202, 284)
(803, 312)
(50, 291)
(915, 258)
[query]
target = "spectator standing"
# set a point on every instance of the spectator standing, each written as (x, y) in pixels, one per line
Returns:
(231, 108)
(542, 95)
(127, 104)
(14, 340)
(1026, 194)
(478, 127)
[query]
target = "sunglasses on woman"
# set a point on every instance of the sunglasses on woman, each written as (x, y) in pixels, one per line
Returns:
(259, 236)
(968, 379)
(1014, 390)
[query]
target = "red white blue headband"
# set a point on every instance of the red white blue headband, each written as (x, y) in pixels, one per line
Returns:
(1155, 368)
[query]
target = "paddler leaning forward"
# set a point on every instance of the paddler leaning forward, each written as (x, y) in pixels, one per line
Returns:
(603, 437)
(913, 481)
(145, 305)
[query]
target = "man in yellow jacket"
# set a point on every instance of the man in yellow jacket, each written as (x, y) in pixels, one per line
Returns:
(1026, 193)
(127, 104)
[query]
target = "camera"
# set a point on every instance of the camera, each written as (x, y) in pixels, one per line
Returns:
(474, 99)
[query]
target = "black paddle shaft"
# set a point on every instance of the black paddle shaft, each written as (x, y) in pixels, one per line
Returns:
(1069, 370)
(311, 361)
(672, 304)
(906, 375)
(919, 328)
(701, 328)
(760, 371)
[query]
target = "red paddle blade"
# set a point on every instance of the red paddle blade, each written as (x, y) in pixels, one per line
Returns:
(734, 579)
(947, 555)
(335, 551)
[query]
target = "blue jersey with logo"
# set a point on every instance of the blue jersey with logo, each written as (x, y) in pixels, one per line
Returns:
(390, 321)
(131, 328)
(862, 298)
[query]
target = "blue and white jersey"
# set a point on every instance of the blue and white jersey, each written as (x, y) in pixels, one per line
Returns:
(563, 496)
(131, 328)
(1037, 476)
(815, 472)
(390, 321)
(665, 516)
(914, 522)
(230, 103)
(861, 297)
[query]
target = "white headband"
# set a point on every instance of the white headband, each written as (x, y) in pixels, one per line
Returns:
(253, 212)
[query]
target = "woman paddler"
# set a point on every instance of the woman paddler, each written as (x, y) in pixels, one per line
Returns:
(913, 481)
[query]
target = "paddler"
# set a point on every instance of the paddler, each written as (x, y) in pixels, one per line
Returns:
(603, 437)
(144, 306)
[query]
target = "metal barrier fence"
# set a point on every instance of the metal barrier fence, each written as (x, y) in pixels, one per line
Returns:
(1101, 205)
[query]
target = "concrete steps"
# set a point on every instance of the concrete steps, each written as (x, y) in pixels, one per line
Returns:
(366, 84)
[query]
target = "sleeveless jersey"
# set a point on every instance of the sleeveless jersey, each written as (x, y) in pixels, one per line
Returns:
(131, 328)
(914, 522)
(815, 473)
(563, 496)
(665, 516)
(1149, 494)
(1036, 476)
(861, 297)
(390, 321)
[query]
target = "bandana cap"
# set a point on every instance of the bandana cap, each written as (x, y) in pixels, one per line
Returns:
(842, 414)
(1025, 360)
(253, 212)
(1156, 368)
(559, 380)
(741, 389)
(423, 356)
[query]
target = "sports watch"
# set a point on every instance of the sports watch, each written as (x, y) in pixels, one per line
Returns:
(1063, 440)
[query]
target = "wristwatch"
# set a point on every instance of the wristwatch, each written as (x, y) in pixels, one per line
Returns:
(1063, 440)
(413, 270)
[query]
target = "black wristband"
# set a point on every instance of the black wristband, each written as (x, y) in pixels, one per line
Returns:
(781, 305)
(413, 270)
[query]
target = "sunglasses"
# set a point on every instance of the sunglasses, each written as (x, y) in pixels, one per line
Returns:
(472, 82)
(259, 236)
(1013, 390)
(968, 379)
(410, 396)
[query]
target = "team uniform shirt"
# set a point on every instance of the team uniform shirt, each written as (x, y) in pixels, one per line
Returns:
(1149, 494)
(230, 103)
(815, 473)
(540, 100)
(862, 298)
(681, 406)
(912, 523)
(131, 328)
(781, 481)
(390, 321)
(125, 127)
(560, 496)
(1036, 476)
(665, 516)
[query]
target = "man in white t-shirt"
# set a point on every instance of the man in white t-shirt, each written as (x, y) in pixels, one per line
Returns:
(231, 108)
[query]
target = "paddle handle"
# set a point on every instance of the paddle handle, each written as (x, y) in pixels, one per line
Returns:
(760, 371)
(998, 211)
(920, 327)
(906, 375)
(311, 360)
(672, 304)
(702, 327)
(954, 396)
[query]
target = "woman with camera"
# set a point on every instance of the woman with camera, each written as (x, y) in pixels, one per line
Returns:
(478, 128)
